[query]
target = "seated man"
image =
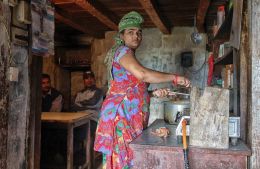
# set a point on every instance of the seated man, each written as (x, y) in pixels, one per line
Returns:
(51, 147)
(51, 98)
(90, 98)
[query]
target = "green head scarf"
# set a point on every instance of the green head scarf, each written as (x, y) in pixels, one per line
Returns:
(129, 20)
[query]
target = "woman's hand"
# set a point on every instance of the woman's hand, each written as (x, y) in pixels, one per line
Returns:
(181, 80)
(161, 92)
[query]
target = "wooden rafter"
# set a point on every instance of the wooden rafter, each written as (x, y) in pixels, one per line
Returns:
(68, 21)
(155, 16)
(201, 14)
(85, 4)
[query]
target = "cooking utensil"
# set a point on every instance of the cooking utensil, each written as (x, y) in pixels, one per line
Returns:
(178, 93)
(185, 146)
(174, 110)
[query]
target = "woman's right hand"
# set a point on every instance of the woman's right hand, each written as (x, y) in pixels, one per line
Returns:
(161, 92)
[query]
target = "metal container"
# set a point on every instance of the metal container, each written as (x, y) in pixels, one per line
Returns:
(174, 110)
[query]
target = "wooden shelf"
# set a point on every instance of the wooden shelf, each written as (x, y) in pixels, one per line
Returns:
(223, 33)
(226, 59)
(76, 67)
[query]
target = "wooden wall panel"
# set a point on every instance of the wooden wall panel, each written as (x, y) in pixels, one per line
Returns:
(19, 111)
(4, 86)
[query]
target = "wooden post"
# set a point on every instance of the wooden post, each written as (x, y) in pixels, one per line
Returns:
(254, 101)
(244, 74)
(4, 86)
(70, 147)
(34, 148)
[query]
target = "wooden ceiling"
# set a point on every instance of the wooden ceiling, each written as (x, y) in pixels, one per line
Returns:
(95, 17)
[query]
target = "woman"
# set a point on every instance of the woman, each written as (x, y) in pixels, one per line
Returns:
(124, 113)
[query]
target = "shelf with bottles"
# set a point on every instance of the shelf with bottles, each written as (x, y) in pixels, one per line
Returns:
(226, 59)
(223, 76)
(69, 67)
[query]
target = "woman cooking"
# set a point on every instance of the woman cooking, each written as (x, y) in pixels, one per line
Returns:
(124, 112)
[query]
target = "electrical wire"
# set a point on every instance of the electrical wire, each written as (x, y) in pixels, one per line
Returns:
(198, 70)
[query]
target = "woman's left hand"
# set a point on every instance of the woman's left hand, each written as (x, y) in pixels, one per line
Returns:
(183, 81)
(161, 92)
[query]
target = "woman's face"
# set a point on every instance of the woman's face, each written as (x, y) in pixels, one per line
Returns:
(132, 37)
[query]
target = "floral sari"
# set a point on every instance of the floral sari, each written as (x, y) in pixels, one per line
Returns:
(124, 114)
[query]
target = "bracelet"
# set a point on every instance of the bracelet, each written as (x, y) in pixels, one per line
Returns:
(175, 79)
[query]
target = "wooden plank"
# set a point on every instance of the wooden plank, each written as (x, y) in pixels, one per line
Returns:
(70, 21)
(244, 76)
(90, 141)
(154, 15)
(236, 24)
(85, 4)
(65, 117)
(35, 64)
(201, 14)
(236, 83)
(209, 120)
(70, 137)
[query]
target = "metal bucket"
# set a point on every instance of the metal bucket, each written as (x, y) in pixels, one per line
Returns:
(174, 110)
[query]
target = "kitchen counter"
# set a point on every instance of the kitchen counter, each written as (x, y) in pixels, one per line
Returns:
(152, 152)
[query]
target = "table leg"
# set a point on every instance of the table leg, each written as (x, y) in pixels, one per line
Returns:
(70, 147)
(88, 153)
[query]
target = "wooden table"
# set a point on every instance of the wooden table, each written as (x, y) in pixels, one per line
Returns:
(151, 152)
(69, 121)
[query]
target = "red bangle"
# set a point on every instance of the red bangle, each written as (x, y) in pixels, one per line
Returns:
(175, 80)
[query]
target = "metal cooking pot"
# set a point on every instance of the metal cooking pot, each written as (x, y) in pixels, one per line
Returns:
(174, 110)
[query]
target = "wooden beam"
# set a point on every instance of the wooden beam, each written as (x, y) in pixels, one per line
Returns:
(60, 2)
(150, 9)
(85, 4)
(201, 14)
(69, 21)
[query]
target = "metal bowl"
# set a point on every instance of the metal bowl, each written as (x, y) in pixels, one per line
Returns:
(174, 110)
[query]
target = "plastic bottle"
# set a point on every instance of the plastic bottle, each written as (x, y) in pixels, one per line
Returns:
(220, 15)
